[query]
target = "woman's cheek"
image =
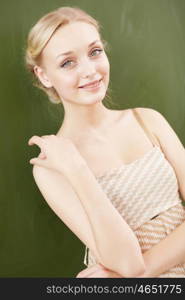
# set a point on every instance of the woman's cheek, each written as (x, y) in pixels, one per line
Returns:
(66, 82)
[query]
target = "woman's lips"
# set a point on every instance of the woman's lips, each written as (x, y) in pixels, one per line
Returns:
(93, 86)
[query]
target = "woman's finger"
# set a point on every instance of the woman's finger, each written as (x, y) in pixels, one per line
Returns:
(45, 136)
(99, 274)
(42, 155)
(104, 273)
(90, 270)
(38, 162)
(35, 140)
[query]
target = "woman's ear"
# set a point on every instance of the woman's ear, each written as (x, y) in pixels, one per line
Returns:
(39, 72)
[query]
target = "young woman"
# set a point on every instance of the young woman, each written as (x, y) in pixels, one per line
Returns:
(114, 177)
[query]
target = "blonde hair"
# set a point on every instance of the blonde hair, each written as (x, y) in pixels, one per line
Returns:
(42, 32)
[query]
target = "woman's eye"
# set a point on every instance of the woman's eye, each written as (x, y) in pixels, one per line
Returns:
(66, 64)
(96, 50)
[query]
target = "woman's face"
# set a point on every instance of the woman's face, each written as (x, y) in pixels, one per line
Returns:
(69, 72)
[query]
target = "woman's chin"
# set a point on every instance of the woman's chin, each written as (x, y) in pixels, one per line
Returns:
(93, 99)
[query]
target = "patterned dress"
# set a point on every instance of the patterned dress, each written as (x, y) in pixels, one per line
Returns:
(145, 193)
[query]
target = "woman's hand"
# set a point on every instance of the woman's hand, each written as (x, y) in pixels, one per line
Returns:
(98, 271)
(59, 154)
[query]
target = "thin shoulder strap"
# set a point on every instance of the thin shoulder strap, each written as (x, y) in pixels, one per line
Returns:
(151, 136)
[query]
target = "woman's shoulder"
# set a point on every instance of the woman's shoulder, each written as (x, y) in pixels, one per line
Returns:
(142, 110)
(156, 122)
(150, 115)
(147, 112)
(153, 120)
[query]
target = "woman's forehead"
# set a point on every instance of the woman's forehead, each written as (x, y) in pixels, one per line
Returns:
(71, 36)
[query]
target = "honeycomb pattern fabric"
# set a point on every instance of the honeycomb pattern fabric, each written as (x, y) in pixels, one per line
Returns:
(153, 231)
(145, 193)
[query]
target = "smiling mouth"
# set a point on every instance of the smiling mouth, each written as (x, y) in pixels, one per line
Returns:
(91, 86)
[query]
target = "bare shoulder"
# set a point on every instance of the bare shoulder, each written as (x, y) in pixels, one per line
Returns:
(149, 114)
(161, 127)
(46, 177)
(39, 173)
(36, 169)
(153, 119)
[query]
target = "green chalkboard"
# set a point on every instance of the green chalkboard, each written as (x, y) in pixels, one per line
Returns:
(147, 56)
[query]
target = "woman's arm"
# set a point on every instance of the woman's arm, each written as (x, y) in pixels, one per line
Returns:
(62, 199)
(166, 254)
(116, 243)
(170, 251)
(158, 259)
(116, 240)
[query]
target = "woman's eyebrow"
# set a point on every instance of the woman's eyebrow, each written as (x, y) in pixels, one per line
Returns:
(70, 52)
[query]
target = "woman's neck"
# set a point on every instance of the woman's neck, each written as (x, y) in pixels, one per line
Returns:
(85, 121)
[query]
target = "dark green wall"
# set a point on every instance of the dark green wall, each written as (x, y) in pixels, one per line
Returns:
(147, 46)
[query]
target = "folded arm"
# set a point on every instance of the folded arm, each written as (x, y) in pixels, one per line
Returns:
(116, 243)
(82, 205)
(166, 254)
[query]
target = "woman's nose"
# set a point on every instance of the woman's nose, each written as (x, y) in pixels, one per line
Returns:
(87, 69)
